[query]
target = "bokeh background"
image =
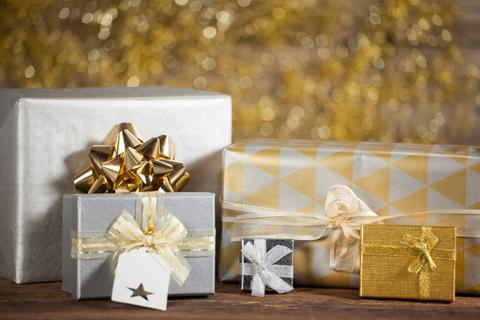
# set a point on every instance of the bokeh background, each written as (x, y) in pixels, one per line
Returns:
(392, 70)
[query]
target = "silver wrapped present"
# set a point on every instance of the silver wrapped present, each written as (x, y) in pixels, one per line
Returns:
(90, 253)
(267, 265)
(44, 136)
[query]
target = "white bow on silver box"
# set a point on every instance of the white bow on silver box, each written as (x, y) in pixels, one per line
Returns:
(264, 268)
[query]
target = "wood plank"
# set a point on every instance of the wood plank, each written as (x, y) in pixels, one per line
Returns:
(47, 301)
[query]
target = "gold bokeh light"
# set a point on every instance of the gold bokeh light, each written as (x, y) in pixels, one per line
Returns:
(330, 69)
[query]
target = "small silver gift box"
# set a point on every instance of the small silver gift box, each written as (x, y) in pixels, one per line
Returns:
(92, 214)
(280, 265)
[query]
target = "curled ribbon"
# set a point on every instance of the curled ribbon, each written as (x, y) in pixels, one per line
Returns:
(160, 231)
(262, 268)
(345, 214)
(423, 252)
(128, 164)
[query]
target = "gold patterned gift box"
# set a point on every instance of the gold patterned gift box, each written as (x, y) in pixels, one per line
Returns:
(392, 179)
(408, 262)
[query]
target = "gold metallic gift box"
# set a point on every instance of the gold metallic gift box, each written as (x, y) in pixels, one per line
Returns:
(408, 262)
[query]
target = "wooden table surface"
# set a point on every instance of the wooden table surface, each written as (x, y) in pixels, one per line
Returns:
(47, 301)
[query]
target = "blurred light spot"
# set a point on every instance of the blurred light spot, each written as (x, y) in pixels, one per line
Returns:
(243, 3)
(446, 35)
(209, 32)
(29, 71)
(87, 18)
(200, 82)
(266, 129)
(223, 16)
(437, 20)
(133, 81)
(64, 13)
(267, 114)
(134, 3)
(209, 64)
(181, 2)
(104, 33)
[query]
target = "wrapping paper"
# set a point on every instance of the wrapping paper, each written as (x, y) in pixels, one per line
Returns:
(392, 179)
(408, 262)
(44, 134)
(95, 213)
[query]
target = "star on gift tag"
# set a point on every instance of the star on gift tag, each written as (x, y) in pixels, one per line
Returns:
(141, 279)
(140, 292)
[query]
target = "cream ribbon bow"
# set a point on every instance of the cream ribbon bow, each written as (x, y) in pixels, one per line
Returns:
(263, 268)
(345, 213)
(161, 238)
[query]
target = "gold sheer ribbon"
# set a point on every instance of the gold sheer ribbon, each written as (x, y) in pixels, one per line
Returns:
(423, 252)
(155, 228)
(345, 214)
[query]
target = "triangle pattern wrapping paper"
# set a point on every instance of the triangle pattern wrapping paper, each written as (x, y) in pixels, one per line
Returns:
(392, 178)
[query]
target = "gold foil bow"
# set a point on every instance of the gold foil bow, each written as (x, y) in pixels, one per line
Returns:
(160, 231)
(345, 215)
(128, 164)
(422, 250)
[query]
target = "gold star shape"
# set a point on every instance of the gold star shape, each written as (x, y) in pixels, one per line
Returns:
(140, 292)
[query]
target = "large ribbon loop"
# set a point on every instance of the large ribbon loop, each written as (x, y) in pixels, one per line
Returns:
(155, 228)
(345, 213)
(263, 270)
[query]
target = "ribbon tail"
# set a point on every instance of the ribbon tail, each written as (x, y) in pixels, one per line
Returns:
(416, 264)
(258, 286)
(275, 282)
(177, 264)
(344, 253)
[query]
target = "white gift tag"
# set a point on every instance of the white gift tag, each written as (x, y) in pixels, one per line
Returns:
(141, 279)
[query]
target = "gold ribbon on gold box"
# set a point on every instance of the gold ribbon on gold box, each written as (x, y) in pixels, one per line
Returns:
(408, 262)
(152, 227)
(126, 163)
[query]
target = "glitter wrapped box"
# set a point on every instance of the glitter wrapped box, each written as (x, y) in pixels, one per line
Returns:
(91, 215)
(392, 179)
(408, 262)
(44, 135)
(280, 264)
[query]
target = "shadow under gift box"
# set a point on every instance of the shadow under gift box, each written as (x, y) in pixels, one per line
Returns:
(95, 213)
(45, 135)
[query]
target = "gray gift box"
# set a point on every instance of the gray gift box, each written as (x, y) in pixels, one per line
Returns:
(93, 213)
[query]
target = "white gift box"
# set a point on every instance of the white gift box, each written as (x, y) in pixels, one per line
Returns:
(45, 135)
